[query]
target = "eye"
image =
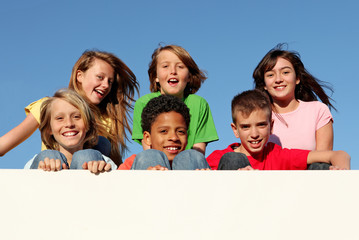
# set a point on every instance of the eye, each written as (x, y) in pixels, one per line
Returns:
(100, 77)
(268, 75)
(58, 118)
(77, 116)
(244, 127)
(163, 131)
(182, 132)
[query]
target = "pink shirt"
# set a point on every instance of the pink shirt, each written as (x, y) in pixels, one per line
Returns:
(301, 125)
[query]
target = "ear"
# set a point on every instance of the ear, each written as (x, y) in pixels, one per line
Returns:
(271, 126)
(235, 130)
(157, 80)
(147, 138)
(297, 81)
(79, 76)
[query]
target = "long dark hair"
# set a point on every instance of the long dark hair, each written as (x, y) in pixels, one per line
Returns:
(309, 88)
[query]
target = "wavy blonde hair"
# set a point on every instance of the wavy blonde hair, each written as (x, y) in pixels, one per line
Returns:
(115, 107)
(78, 102)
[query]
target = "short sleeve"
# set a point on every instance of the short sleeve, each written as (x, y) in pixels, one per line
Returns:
(324, 115)
(35, 108)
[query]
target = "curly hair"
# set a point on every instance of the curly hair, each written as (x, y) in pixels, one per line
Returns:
(163, 104)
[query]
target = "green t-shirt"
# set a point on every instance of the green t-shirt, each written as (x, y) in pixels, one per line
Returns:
(201, 127)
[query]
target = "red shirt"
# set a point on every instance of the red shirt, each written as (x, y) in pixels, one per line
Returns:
(128, 163)
(274, 158)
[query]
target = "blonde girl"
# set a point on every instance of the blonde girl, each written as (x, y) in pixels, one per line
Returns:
(69, 131)
(108, 86)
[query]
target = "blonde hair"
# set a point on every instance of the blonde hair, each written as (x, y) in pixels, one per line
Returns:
(78, 102)
(196, 76)
(115, 107)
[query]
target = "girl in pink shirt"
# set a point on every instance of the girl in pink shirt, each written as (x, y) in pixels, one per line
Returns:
(300, 121)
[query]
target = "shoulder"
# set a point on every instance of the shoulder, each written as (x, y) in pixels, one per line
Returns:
(148, 97)
(313, 105)
(194, 97)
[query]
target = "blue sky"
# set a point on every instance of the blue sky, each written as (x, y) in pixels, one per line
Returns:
(41, 40)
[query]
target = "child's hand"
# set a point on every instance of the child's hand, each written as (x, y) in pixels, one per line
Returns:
(157, 167)
(203, 169)
(51, 165)
(246, 168)
(97, 166)
(336, 168)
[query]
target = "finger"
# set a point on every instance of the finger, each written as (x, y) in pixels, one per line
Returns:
(52, 164)
(41, 165)
(94, 168)
(85, 165)
(47, 164)
(101, 165)
(108, 167)
(57, 165)
(64, 166)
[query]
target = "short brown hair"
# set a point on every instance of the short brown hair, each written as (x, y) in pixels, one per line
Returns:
(249, 101)
(196, 76)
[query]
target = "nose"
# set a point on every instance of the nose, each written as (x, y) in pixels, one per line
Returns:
(69, 122)
(173, 70)
(105, 83)
(278, 78)
(254, 133)
(173, 136)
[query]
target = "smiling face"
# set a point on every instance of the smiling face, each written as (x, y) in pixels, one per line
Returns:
(253, 130)
(67, 126)
(172, 74)
(280, 82)
(168, 134)
(96, 82)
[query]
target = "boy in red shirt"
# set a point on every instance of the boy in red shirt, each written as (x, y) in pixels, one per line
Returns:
(252, 123)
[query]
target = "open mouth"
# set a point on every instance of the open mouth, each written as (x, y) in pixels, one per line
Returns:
(101, 93)
(172, 81)
(255, 144)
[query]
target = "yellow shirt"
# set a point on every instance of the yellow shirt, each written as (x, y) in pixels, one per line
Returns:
(35, 108)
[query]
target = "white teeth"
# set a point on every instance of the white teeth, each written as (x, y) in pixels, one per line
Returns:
(100, 92)
(172, 148)
(255, 142)
(69, 134)
(173, 80)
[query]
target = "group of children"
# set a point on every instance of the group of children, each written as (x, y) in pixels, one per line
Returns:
(281, 124)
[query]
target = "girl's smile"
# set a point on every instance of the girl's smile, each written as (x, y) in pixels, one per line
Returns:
(67, 126)
(280, 82)
(97, 81)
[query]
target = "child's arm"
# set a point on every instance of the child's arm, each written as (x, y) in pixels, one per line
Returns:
(200, 147)
(18, 134)
(324, 137)
(340, 159)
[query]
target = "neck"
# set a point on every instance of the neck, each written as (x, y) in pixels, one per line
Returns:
(285, 106)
